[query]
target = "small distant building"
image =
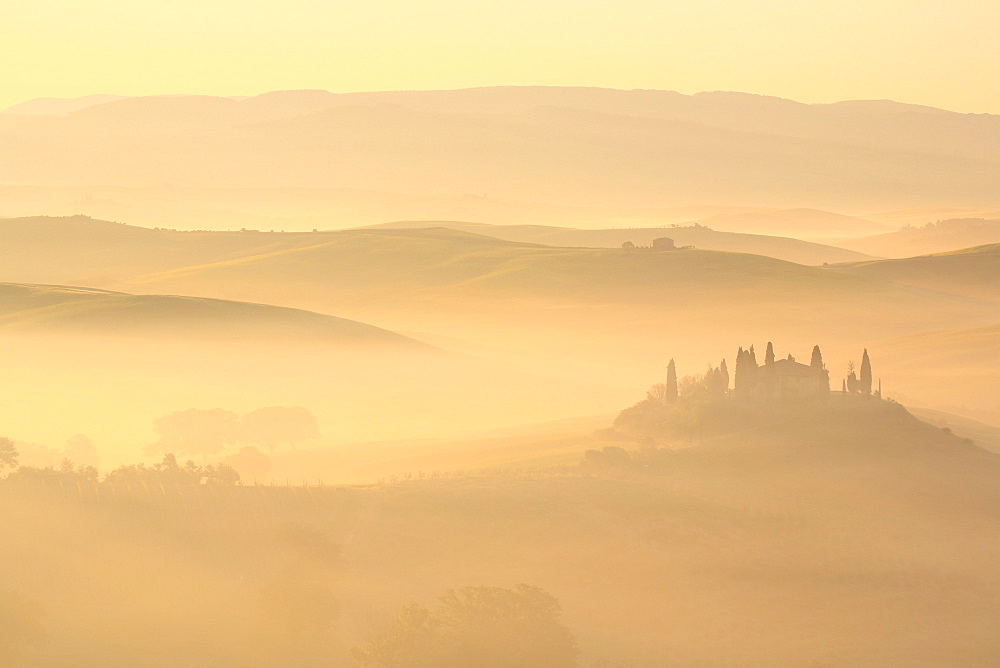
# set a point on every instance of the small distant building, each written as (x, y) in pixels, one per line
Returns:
(788, 379)
(780, 379)
(664, 243)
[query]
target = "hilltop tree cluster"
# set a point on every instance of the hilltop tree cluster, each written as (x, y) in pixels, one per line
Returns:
(695, 404)
(862, 384)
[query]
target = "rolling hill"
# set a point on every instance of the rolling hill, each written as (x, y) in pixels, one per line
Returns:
(935, 237)
(81, 250)
(797, 223)
(390, 265)
(613, 308)
(68, 310)
(699, 236)
(971, 272)
(955, 348)
(417, 259)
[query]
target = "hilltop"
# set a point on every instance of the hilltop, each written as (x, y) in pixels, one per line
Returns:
(394, 265)
(697, 235)
(934, 237)
(79, 249)
(797, 223)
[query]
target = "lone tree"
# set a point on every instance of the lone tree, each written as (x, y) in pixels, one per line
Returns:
(866, 374)
(769, 354)
(671, 389)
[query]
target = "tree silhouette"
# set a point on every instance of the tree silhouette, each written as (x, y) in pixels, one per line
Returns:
(852, 378)
(740, 377)
(671, 388)
(866, 374)
(724, 375)
(169, 471)
(769, 354)
(715, 383)
(657, 393)
(817, 358)
(8, 453)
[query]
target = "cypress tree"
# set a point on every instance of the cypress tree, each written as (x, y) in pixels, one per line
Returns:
(724, 370)
(817, 358)
(712, 380)
(769, 355)
(741, 372)
(671, 393)
(866, 374)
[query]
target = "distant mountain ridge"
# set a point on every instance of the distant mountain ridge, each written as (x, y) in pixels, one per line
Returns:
(580, 146)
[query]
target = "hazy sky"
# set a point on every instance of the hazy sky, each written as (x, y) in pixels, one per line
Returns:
(932, 52)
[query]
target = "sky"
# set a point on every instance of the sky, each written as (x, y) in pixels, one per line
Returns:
(943, 54)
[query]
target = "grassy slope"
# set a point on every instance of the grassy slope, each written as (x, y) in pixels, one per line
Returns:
(955, 370)
(41, 308)
(972, 272)
(979, 345)
(438, 259)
